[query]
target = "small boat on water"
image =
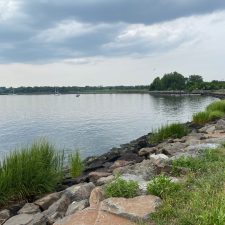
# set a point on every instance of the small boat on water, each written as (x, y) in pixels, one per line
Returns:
(77, 95)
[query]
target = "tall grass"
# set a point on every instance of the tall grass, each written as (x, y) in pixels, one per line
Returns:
(175, 130)
(217, 106)
(30, 171)
(215, 110)
(76, 164)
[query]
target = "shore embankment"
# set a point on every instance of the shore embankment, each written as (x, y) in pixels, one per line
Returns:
(82, 200)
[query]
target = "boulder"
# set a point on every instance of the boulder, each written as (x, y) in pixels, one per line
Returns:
(92, 216)
(120, 163)
(28, 219)
(29, 208)
(81, 191)
(77, 206)
(97, 195)
(48, 200)
(145, 170)
(147, 151)
(220, 125)
(160, 157)
(94, 176)
(104, 180)
(129, 156)
(58, 209)
(4, 215)
(135, 209)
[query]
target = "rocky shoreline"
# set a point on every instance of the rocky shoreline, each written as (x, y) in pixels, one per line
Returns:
(82, 200)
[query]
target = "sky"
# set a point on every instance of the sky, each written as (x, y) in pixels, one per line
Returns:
(109, 42)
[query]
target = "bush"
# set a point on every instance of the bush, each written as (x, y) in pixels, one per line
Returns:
(162, 186)
(29, 172)
(175, 130)
(217, 106)
(122, 188)
(76, 164)
(201, 117)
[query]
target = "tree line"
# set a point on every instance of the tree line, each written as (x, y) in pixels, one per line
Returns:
(176, 81)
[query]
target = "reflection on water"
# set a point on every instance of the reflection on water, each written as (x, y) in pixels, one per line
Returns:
(92, 123)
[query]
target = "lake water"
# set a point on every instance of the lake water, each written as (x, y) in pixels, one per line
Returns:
(93, 123)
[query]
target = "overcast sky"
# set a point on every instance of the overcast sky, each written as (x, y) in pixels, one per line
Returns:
(109, 42)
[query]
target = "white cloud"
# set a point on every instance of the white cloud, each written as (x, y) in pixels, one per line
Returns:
(68, 29)
(9, 9)
(172, 34)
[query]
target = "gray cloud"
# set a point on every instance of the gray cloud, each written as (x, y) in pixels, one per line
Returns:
(50, 30)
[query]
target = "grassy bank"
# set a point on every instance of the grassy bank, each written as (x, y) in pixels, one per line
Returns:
(200, 199)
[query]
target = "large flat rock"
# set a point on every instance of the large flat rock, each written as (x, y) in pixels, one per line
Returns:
(138, 208)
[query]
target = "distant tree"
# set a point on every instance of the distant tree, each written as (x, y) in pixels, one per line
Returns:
(156, 85)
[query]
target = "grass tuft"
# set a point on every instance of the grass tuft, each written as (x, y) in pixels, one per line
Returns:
(217, 106)
(122, 188)
(76, 164)
(175, 130)
(29, 172)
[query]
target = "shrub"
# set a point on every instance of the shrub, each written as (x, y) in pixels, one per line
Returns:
(76, 164)
(201, 117)
(30, 171)
(217, 106)
(161, 186)
(122, 188)
(175, 130)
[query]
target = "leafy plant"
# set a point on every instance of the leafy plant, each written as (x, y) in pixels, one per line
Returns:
(122, 188)
(76, 164)
(161, 186)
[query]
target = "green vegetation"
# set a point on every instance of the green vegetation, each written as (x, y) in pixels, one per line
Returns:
(29, 172)
(162, 186)
(201, 199)
(175, 130)
(76, 164)
(217, 106)
(176, 81)
(215, 110)
(122, 188)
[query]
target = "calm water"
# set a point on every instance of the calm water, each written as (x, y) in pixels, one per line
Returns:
(93, 123)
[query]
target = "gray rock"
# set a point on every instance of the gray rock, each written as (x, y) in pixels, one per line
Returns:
(48, 200)
(81, 191)
(22, 219)
(29, 208)
(220, 125)
(147, 151)
(97, 195)
(141, 182)
(145, 170)
(39, 219)
(155, 157)
(58, 209)
(4, 215)
(104, 180)
(76, 206)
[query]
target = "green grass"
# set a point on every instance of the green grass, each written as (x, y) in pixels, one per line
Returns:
(214, 111)
(76, 164)
(162, 186)
(201, 199)
(217, 106)
(122, 188)
(201, 117)
(30, 171)
(175, 130)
